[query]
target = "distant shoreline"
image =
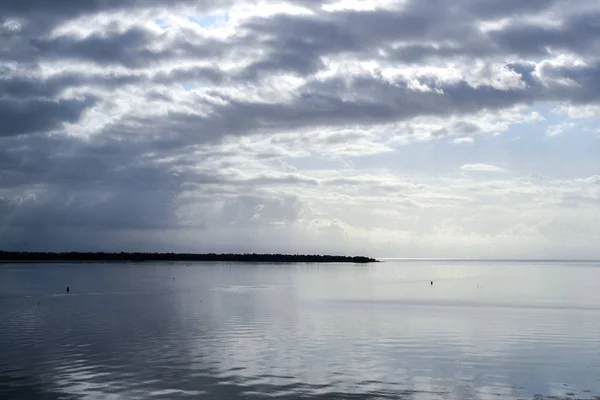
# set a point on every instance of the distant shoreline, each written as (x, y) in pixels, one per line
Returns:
(100, 257)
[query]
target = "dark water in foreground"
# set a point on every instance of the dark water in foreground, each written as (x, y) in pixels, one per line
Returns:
(484, 331)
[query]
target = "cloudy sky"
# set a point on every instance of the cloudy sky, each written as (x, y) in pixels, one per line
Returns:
(415, 128)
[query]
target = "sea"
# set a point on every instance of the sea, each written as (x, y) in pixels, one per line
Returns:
(397, 329)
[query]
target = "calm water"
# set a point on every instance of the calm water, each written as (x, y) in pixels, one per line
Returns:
(485, 330)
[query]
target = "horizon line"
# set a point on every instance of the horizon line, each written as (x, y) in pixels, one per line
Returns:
(487, 259)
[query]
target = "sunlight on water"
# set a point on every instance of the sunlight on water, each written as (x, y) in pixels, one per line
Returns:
(483, 330)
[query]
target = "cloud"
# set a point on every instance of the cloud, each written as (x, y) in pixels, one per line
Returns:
(481, 168)
(579, 112)
(463, 140)
(296, 125)
(555, 130)
(35, 116)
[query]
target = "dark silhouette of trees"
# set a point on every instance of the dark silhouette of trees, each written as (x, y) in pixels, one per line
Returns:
(141, 257)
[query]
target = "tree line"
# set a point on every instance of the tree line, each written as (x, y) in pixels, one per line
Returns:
(141, 257)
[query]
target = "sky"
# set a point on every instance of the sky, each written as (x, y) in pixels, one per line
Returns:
(415, 128)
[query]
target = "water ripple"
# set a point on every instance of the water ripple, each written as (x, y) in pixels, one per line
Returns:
(286, 334)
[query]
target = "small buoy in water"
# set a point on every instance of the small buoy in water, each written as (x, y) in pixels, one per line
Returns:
(68, 289)
(431, 283)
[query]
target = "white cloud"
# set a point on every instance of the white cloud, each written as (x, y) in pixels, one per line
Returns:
(463, 140)
(481, 168)
(579, 111)
(555, 130)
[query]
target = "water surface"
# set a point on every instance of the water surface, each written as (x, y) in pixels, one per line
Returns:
(484, 330)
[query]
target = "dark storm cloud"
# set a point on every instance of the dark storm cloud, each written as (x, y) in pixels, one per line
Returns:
(363, 100)
(319, 103)
(100, 209)
(183, 75)
(95, 163)
(494, 9)
(66, 9)
(130, 172)
(129, 48)
(118, 48)
(578, 33)
(36, 88)
(26, 38)
(583, 82)
(32, 116)
(22, 86)
(53, 184)
(297, 42)
(33, 86)
(293, 43)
